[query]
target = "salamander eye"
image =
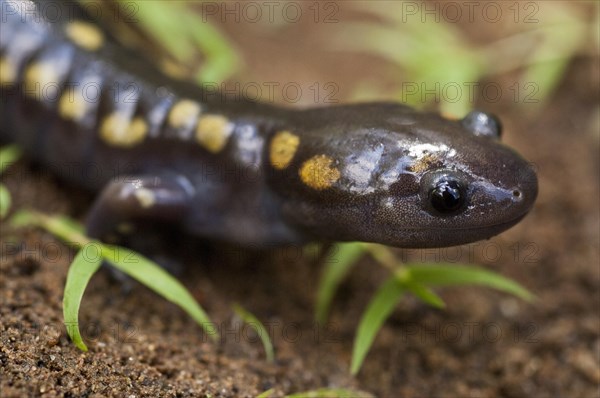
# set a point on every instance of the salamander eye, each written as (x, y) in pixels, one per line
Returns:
(447, 196)
(484, 124)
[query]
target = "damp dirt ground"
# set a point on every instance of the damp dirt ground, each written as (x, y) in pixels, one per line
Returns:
(484, 344)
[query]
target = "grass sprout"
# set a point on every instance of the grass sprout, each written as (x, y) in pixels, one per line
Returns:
(258, 327)
(330, 393)
(80, 272)
(379, 309)
(182, 31)
(437, 54)
(335, 269)
(87, 261)
(416, 279)
(8, 155)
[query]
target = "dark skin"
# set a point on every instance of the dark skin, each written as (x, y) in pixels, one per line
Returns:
(251, 173)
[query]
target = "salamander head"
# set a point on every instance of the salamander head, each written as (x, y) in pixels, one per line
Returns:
(388, 174)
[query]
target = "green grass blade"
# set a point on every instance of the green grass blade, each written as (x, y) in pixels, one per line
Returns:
(69, 226)
(65, 229)
(128, 261)
(379, 309)
(80, 273)
(260, 329)
(451, 275)
(222, 56)
(383, 255)
(182, 32)
(329, 393)
(162, 21)
(159, 280)
(543, 77)
(266, 394)
(5, 201)
(22, 218)
(558, 41)
(336, 268)
(425, 294)
(8, 155)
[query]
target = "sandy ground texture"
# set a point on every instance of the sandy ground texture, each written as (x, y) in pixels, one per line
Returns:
(485, 344)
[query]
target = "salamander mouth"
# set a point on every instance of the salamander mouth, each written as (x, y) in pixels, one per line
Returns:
(421, 238)
(502, 225)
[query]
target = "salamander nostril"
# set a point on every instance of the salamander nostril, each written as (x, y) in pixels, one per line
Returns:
(516, 193)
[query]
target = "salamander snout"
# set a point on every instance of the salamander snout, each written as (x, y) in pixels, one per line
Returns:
(524, 193)
(458, 206)
(448, 193)
(497, 198)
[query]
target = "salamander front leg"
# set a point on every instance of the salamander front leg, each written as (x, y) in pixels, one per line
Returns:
(129, 207)
(130, 201)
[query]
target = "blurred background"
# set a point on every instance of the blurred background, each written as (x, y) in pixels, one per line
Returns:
(535, 64)
(428, 54)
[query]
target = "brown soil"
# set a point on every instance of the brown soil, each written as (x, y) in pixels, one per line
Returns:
(485, 344)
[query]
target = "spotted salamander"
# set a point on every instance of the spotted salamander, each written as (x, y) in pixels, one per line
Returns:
(241, 171)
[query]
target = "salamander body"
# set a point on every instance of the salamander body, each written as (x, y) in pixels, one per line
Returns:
(241, 171)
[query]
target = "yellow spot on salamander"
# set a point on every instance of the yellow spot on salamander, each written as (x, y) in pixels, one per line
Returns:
(72, 105)
(318, 172)
(119, 130)
(85, 35)
(8, 72)
(145, 197)
(183, 114)
(425, 163)
(213, 131)
(41, 79)
(283, 148)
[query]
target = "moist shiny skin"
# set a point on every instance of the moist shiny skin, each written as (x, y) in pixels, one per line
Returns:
(158, 149)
